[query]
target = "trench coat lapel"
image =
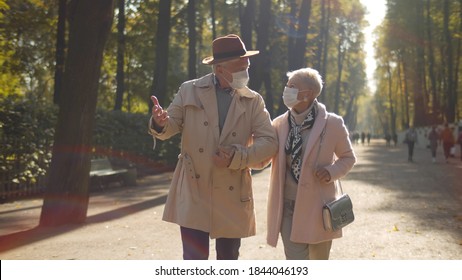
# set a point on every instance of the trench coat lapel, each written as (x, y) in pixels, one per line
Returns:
(236, 109)
(208, 99)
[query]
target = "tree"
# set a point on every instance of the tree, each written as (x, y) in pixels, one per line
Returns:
(247, 22)
(120, 77)
(260, 61)
(192, 39)
(422, 36)
(260, 71)
(417, 25)
(212, 18)
(60, 47)
(431, 61)
(323, 43)
(66, 197)
(297, 43)
(450, 112)
(159, 84)
(27, 56)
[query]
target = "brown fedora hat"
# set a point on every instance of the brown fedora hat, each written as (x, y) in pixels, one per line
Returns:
(227, 48)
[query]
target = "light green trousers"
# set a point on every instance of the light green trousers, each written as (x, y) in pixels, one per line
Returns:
(300, 251)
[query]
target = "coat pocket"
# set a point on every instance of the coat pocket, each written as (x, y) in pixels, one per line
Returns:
(246, 186)
(188, 178)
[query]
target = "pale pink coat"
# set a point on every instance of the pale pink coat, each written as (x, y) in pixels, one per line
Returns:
(311, 194)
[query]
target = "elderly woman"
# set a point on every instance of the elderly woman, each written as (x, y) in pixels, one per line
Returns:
(303, 172)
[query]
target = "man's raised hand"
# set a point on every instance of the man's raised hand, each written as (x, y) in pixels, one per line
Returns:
(159, 115)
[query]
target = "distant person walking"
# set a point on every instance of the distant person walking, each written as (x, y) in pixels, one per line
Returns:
(448, 141)
(388, 139)
(411, 139)
(433, 137)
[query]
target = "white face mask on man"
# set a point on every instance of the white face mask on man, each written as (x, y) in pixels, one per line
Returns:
(240, 79)
(290, 97)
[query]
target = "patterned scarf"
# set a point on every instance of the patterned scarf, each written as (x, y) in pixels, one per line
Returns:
(294, 140)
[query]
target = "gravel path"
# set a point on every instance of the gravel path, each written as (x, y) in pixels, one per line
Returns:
(403, 211)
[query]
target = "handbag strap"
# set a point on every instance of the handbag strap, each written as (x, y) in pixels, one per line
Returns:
(339, 186)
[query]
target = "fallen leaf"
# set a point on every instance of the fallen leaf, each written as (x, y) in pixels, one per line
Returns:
(395, 228)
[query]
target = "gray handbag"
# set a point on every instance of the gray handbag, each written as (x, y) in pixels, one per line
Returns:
(339, 212)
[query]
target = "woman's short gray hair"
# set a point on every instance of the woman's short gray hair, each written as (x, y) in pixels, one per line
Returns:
(310, 77)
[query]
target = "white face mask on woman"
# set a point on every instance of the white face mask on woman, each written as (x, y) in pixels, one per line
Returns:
(289, 96)
(240, 79)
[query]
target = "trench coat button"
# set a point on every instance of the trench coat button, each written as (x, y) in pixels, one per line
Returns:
(198, 176)
(234, 134)
(231, 188)
(201, 150)
(206, 123)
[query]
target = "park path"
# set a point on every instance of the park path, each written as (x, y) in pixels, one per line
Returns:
(403, 211)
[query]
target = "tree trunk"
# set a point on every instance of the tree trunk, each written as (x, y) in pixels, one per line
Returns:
(291, 35)
(418, 71)
(431, 64)
(457, 63)
(212, 18)
(320, 38)
(60, 53)
(325, 48)
(247, 22)
(120, 76)
(261, 62)
(269, 100)
(296, 45)
(451, 93)
(407, 118)
(159, 83)
(401, 92)
(66, 197)
(390, 100)
(192, 35)
(297, 54)
(340, 60)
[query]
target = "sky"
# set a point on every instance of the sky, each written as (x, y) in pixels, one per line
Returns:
(375, 14)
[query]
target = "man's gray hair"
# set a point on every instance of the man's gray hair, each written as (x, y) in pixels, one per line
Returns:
(214, 66)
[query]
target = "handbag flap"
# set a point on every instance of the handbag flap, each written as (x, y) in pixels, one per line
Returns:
(341, 210)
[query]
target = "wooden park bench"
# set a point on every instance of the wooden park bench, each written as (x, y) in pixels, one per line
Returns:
(102, 173)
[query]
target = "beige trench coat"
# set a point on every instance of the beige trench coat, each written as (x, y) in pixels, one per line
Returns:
(203, 196)
(307, 224)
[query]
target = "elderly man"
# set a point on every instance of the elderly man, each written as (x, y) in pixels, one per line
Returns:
(226, 131)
